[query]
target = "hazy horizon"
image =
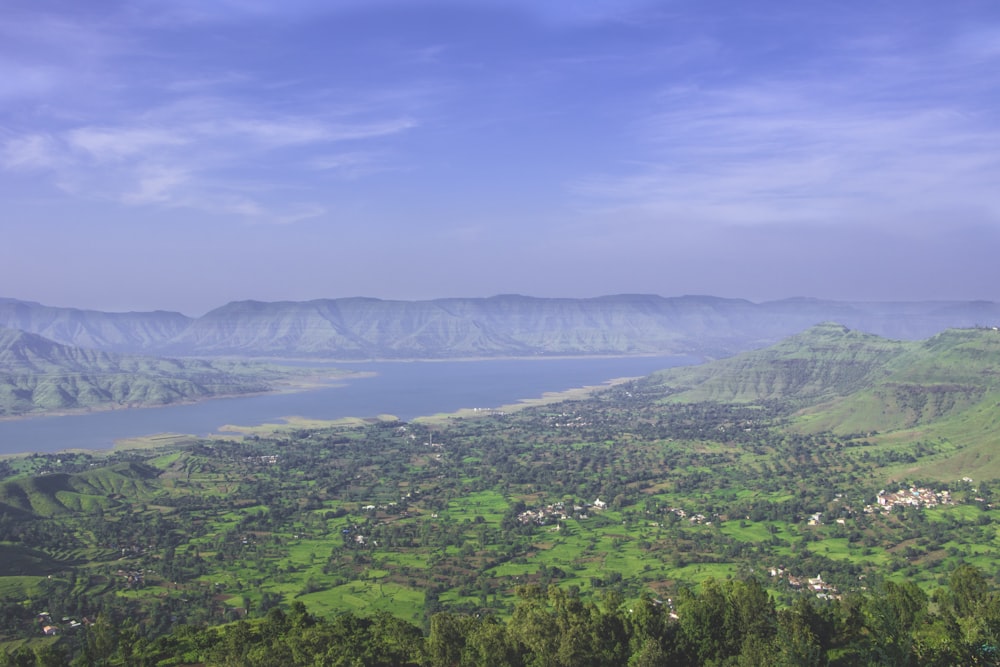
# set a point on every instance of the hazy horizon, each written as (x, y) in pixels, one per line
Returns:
(197, 314)
(180, 155)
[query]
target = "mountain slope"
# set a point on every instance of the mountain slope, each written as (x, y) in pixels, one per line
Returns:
(500, 326)
(943, 379)
(943, 392)
(118, 332)
(824, 362)
(62, 493)
(37, 374)
(506, 325)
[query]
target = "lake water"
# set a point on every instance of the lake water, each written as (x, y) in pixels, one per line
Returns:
(403, 389)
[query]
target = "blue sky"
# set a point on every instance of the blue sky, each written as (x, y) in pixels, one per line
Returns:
(180, 154)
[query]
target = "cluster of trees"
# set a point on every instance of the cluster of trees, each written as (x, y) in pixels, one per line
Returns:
(725, 623)
(231, 512)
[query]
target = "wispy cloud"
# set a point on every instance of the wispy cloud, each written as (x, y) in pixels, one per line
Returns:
(113, 144)
(156, 185)
(193, 154)
(353, 165)
(888, 139)
(223, 10)
(102, 105)
(35, 151)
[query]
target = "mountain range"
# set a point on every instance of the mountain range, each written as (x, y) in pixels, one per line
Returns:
(39, 375)
(499, 326)
(942, 391)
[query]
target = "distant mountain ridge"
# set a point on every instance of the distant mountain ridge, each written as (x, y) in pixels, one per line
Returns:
(505, 325)
(39, 375)
(848, 381)
(823, 363)
(112, 332)
(942, 391)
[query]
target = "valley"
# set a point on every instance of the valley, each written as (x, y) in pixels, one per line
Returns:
(495, 327)
(39, 376)
(828, 466)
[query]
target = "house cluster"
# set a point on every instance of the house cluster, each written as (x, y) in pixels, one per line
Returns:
(353, 534)
(133, 578)
(51, 628)
(266, 459)
(823, 590)
(379, 508)
(492, 412)
(912, 497)
(557, 512)
(692, 518)
(132, 550)
(571, 421)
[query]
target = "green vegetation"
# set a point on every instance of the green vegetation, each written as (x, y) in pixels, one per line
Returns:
(700, 516)
(731, 623)
(39, 376)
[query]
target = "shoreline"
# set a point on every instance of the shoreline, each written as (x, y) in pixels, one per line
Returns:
(316, 380)
(306, 383)
(319, 381)
(240, 432)
(547, 398)
(297, 421)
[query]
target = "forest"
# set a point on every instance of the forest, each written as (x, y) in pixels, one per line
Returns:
(731, 623)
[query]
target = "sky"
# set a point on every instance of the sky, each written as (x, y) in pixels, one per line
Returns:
(181, 154)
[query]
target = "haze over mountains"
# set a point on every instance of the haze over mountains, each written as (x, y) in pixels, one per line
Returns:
(942, 391)
(39, 375)
(499, 326)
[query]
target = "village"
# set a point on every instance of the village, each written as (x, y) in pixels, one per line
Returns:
(558, 512)
(912, 497)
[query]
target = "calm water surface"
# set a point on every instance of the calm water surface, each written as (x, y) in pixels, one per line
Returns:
(404, 389)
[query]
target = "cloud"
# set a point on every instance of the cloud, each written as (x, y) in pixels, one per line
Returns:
(108, 105)
(195, 11)
(111, 144)
(156, 185)
(292, 131)
(352, 165)
(194, 154)
(29, 152)
(887, 140)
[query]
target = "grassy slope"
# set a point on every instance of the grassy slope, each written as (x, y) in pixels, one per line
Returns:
(38, 375)
(61, 493)
(824, 362)
(945, 389)
(821, 371)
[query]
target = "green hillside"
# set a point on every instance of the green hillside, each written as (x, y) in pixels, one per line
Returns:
(940, 384)
(39, 375)
(826, 361)
(829, 469)
(62, 493)
(945, 389)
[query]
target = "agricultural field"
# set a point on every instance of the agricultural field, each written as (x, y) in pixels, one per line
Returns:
(630, 492)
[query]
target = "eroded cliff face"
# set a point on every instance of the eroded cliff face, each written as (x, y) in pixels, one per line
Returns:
(508, 325)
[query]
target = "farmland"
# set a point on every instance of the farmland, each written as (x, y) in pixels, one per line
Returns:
(632, 492)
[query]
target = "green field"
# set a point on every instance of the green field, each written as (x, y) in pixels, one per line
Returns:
(365, 516)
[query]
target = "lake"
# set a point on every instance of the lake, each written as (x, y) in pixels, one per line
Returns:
(404, 389)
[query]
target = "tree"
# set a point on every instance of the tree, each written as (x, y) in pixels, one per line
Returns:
(702, 623)
(968, 589)
(891, 614)
(447, 638)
